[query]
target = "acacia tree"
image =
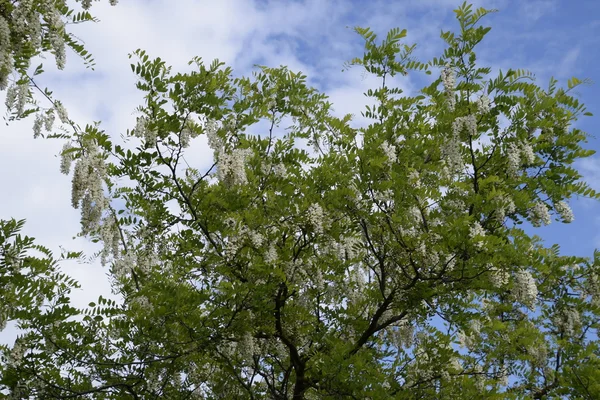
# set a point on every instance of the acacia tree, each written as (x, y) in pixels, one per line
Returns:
(389, 262)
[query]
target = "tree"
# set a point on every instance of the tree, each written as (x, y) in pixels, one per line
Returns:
(390, 262)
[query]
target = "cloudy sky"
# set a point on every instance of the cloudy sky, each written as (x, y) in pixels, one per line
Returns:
(556, 38)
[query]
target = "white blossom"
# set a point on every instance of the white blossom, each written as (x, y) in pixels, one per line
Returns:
(499, 278)
(246, 347)
(62, 112)
(525, 288)
(123, 265)
(49, 120)
(504, 205)
(452, 156)
(58, 45)
(142, 303)
(389, 150)
(37, 125)
(11, 96)
(539, 214)
(66, 158)
(231, 166)
(316, 217)
(404, 334)
(568, 321)
(449, 82)
(15, 357)
(538, 353)
(256, 238)
(476, 232)
(279, 170)
(513, 156)
(527, 153)
(142, 130)
(413, 175)
(483, 104)
(271, 254)
(564, 211)
(87, 187)
(214, 141)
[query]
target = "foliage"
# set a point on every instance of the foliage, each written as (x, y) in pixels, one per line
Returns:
(390, 262)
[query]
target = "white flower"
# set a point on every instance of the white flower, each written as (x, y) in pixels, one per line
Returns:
(453, 159)
(142, 303)
(568, 321)
(525, 288)
(49, 120)
(448, 78)
(37, 125)
(564, 211)
(539, 214)
(142, 130)
(279, 170)
(256, 238)
(15, 357)
(499, 278)
(58, 45)
(528, 154)
(87, 189)
(11, 96)
(66, 159)
(476, 232)
(214, 141)
(413, 175)
(389, 150)
(449, 82)
(514, 159)
(231, 166)
(404, 334)
(271, 254)
(62, 112)
(483, 104)
(246, 347)
(315, 217)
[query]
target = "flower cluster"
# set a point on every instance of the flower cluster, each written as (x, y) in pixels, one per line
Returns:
(142, 303)
(539, 214)
(87, 190)
(468, 122)
(6, 58)
(568, 321)
(525, 289)
(404, 334)
(142, 130)
(476, 233)
(449, 82)
(110, 235)
(316, 217)
(469, 339)
(389, 150)
(483, 104)
(17, 353)
(513, 156)
(527, 153)
(564, 211)
(271, 256)
(453, 162)
(231, 167)
(504, 205)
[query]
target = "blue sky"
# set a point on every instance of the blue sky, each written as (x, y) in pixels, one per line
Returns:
(556, 38)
